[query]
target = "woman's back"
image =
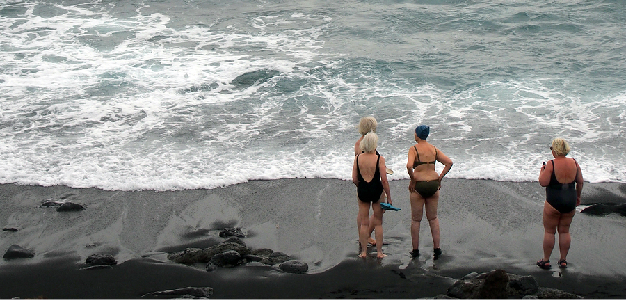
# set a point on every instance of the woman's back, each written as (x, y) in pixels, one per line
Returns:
(367, 163)
(565, 169)
(425, 156)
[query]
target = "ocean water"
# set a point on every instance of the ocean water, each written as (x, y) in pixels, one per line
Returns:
(169, 94)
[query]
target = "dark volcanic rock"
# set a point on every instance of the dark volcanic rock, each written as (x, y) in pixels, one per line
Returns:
(254, 77)
(252, 257)
(69, 206)
(262, 252)
(499, 284)
(276, 258)
(51, 203)
(188, 292)
(97, 267)
(101, 259)
(195, 255)
(229, 258)
(603, 209)
(465, 289)
(16, 251)
(236, 232)
(522, 285)
(494, 286)
(11, 229)
(294, 266)
(550, 293)
(210, 267)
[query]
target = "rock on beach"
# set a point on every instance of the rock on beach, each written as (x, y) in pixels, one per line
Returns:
(16, 251)
(498, 284)
(101, 259)
(294, 266)
(185, 293)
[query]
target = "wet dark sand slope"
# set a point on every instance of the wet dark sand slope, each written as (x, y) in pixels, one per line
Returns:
(485, 225)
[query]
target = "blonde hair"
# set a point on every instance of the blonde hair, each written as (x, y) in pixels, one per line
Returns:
(560, 147)
(367, 124)
(369, 142)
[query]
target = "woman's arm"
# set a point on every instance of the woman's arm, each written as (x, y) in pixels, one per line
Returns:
(579, 183)
(383, 179)
(446, 161)
(355, 177)
(409, 169)
(357, 148)
(545, 174)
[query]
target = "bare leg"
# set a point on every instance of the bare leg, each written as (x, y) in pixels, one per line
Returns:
(564, 236)
(370, 239)
(417, 211)
(433, 220)
(371, 229)
(378, 228)
(550, 221)
(358, 220)
(364, 210)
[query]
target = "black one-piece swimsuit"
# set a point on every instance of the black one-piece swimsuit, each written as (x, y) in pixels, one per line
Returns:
(561, 196)
(369, 191)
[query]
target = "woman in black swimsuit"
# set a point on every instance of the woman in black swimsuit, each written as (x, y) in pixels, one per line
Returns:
(372, 186)
(424, 187)
(366, 125)
(563, 180)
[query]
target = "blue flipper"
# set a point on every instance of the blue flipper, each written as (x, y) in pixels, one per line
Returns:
(387, 206)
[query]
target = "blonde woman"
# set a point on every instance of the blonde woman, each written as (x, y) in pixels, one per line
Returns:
(563, 181)
(371, 186)
(366, 125)
(424, 187)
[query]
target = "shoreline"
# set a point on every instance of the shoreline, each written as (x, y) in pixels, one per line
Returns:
(485, 224)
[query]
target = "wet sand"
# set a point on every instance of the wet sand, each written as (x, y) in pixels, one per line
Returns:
(485, 225)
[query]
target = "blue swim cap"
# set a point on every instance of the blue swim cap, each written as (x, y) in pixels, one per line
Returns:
(422, 131)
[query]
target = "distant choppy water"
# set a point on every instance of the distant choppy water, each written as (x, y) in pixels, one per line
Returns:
(175, 94)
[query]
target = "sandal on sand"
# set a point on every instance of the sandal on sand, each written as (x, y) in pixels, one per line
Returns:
(415, 253)
(544, 264)
(437, 253)
(562, 263)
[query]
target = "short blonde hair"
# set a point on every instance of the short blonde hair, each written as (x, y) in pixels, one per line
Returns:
(369, 142)
(367, 124)
(560, 147)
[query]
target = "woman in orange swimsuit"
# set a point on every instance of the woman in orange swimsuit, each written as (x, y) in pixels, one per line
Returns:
(424, 187)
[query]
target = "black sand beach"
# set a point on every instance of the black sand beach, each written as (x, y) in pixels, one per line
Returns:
(486, 225)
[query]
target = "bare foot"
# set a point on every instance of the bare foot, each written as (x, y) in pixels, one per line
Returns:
(363, 255)
(380, 255)
(371, 241)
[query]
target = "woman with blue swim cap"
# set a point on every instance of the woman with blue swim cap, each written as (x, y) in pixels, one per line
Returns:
(424, 187)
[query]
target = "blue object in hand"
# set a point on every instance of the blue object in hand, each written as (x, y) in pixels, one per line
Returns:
(387, 206)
